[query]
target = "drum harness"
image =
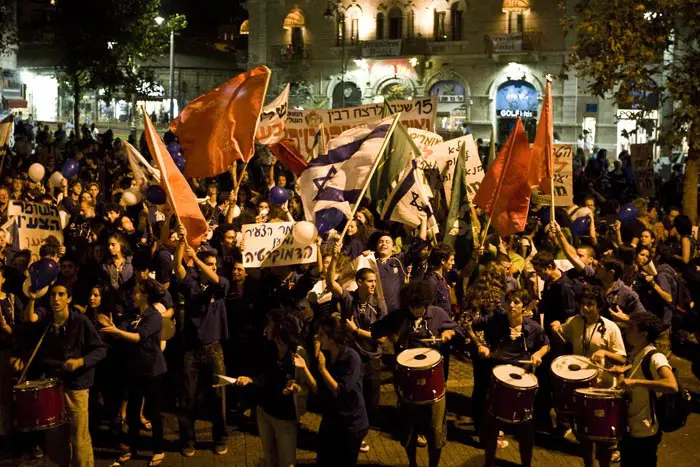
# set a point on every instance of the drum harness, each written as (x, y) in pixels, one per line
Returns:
(599, 325)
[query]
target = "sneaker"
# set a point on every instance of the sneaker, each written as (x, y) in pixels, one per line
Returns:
(37, 452)
(570, 436)
(188, 451)
(364, 447)
(421, 442)
(502, 443)
(221, 449)
(615, 458)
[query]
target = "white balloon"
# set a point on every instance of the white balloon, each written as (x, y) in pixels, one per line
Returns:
(236, 211)
(582, 211)
(56, 179)
(305, 232)
(37, 172)
(130, 198)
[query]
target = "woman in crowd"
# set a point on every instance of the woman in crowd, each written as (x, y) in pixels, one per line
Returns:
(117, 267)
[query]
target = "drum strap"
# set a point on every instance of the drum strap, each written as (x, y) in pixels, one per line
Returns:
(31, 359)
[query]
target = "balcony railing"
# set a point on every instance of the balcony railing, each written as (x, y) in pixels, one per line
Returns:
(512, 43)
(290, 53)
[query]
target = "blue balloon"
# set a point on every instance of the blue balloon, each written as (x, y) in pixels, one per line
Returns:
(180, 163)
(278, 195)
(582, 226)
(328, 219)
(545, 214)
(43, 273)
(627, 213)
(70, 168)
(155, 194)
(174, 148)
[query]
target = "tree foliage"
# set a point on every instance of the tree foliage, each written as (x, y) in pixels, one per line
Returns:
(8, 25)
(633, 49)
(106, 45)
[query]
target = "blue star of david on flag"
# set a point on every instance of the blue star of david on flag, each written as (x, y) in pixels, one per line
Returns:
(321, 182)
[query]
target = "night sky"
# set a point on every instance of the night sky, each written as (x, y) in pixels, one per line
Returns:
(203, 16)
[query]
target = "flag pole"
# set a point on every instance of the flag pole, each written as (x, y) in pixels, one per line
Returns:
(550, 150)
(371, 173)
(498, 191)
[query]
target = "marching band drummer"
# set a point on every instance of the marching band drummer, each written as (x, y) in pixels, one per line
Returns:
(510, 338)
(416, 323)
(599, 339)
(71, 349)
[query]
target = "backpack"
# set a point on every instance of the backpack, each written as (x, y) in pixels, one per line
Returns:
(671, 410)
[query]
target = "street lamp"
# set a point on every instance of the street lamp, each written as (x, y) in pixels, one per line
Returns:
(159, 21)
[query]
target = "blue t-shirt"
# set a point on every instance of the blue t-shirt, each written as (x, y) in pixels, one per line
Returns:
(205, 311)
(346, 412)
(144, 358)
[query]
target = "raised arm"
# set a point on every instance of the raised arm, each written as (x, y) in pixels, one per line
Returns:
(180, 271)
(566, 247)
(333, 285)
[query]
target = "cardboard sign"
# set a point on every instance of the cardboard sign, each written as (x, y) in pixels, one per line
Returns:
(35, 223)
(273, 119)
(272, 244)
(563, 163)
(424, 140)
(302, 125)
(643, 167)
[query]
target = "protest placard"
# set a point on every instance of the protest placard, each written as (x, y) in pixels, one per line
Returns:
(303, 125)
(643, 166)
(562, 161)
(35, 223)
(273, 119)
(272, 244)
(424, 140)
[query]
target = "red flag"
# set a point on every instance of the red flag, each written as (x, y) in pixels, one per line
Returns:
(180, 195)
(219, 127)
(288, 154)
(543, 146)
(504, 192)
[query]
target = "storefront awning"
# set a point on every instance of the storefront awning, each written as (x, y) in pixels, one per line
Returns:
(516, 6)
(17, 103)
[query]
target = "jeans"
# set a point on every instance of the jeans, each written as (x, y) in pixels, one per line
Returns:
(338, 448)
(76, 430)
(371, 387)
(639, 452)
(147, 390)
(199, 370)
(279, 439)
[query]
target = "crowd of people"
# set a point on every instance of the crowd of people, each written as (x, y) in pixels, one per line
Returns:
(136, 310)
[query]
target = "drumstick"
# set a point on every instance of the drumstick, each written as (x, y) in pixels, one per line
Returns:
(590, 362)
(431, 339)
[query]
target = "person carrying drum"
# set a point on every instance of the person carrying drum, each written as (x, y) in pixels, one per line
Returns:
(360, 309)
(69, 351)
(511, 340)
(598, 339)
(418, 324)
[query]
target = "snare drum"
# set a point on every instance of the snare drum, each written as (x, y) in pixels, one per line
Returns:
(571, 372)
(511, 396)
(420, 375)
(601, 414)
(39, 405)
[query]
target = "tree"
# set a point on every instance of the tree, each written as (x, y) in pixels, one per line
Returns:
(108, 48)
(635, 49)
(8, 25)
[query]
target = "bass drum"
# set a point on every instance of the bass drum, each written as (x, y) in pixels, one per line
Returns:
(511, 397)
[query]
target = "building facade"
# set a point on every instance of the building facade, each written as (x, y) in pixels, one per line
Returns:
(486, 61)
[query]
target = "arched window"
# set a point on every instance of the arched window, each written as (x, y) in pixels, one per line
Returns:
(456, 22)
(395, 23)
(439, 26)
(380, 26)
(245, 28)
(354, 14)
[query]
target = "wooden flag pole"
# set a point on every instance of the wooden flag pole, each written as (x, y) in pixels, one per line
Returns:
(498, 190)
(371, 173)
(550, 156)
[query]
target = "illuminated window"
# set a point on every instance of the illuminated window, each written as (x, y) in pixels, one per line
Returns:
(295, 19)
(516, 6)
(411, 24)
(355, 31)
(245, 29)
(439, 26)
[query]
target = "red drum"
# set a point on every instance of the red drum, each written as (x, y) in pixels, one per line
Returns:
(601, 414)
(420, 376)
(511, 396)
(39, 405)
(569, 373)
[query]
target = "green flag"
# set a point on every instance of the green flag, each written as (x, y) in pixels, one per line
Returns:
(458, 231)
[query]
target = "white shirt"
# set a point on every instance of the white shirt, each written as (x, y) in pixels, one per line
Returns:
(639, 417)
(587, 339)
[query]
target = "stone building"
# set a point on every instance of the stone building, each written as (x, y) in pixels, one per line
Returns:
(486, 61)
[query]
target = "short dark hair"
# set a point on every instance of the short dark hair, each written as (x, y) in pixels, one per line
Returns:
(418, 293)
(648, 323)
(683, 224)
(335, 329)
(362, 274)
(543, 259)
(593, 293)
(614, 265)
(48, 249)
(206, 253)
(522, 295)
(153, 290)
(65, 285)
(440, 253)
(589, 249)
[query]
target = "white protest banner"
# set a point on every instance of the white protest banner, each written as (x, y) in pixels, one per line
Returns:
(563, 178)
(272, 244)
(643, 167)
(381, 48)
(273, 119)
(424, 140)
(511, 42)
(443, 157)
(35, 223)
(302, 125)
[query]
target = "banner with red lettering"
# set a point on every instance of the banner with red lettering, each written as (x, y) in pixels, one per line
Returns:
(273, 119)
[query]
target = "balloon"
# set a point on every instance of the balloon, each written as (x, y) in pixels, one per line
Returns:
(56, 179)
(27, 288)
(174, 148)
(328, 219)
(130, 198)
(180, 163)
(577, 212)
(545, 214)
(627, 213)
(42, 273)
(581, 226)
(236, 211)
(37, 172)
(156, 195)
(305, 232)
(70, 168)
(278, 195)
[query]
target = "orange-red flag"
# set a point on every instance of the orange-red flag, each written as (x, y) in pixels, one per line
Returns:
(288, 154)
(219, 127)
(180, 194)
(543, 146)
(504, 193)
